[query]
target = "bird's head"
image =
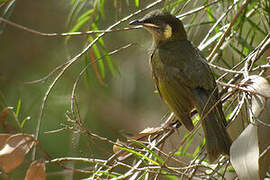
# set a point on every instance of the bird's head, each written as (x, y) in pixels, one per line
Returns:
(162, 25)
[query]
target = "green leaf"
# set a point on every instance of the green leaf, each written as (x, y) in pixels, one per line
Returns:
(211, 17)
(77, 6)
(2, 1)
(110, 64)
(99, 4)
(78, 26)
(107, 58)
(185, 5)
(86, 14)
(98, 55)
(73, 1)
(100, 40)
(139, 155)
(198, 148)
(24, 121)
(172, 177)
(150, 151)
(110, 174)
(137, 3)
(196, 119)
(175, 6)
(18, 108)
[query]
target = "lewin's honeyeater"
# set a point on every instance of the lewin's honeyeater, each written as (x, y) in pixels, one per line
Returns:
(184, 79)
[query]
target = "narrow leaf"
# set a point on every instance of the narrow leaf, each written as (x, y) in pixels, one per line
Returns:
(78, 26)
(137, 3)
(139, 155)
(18, 108)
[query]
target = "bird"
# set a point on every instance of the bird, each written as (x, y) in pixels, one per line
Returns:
(184, 80)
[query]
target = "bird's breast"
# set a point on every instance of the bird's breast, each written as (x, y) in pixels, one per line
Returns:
(158, 68)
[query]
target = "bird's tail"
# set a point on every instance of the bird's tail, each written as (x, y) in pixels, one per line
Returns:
(214, 125)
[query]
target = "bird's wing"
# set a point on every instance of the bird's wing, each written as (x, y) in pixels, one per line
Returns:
(171, 91)
(184, 62)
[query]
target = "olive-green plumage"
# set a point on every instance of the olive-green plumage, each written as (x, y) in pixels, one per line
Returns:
(184, 80)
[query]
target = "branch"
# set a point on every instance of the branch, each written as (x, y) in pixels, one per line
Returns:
(32, 31)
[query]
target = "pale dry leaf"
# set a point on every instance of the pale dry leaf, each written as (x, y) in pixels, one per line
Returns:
(146, 132)
(15, 148)
(244, 154)
(4, 114)
(36, 171)
(260, 85)
(6, 127)
(250, 156)
(266, 56)
(261, 110)
(3, 138)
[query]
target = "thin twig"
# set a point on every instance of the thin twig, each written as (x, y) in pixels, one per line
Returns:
(237, 109)
(242, 89)
(266, 66)
(87, 160)
(225, 170)
(32, 31)
(224, 69)
(48, 75)
(197, 9)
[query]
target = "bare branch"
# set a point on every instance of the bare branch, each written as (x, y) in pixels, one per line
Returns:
(32, 31)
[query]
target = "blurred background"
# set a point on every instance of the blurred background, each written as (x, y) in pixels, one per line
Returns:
(122, 102)
(125, 103)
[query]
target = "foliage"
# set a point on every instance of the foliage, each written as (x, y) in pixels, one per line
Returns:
(235, 40)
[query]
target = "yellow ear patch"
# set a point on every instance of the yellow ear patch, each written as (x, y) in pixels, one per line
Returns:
(168, 31)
